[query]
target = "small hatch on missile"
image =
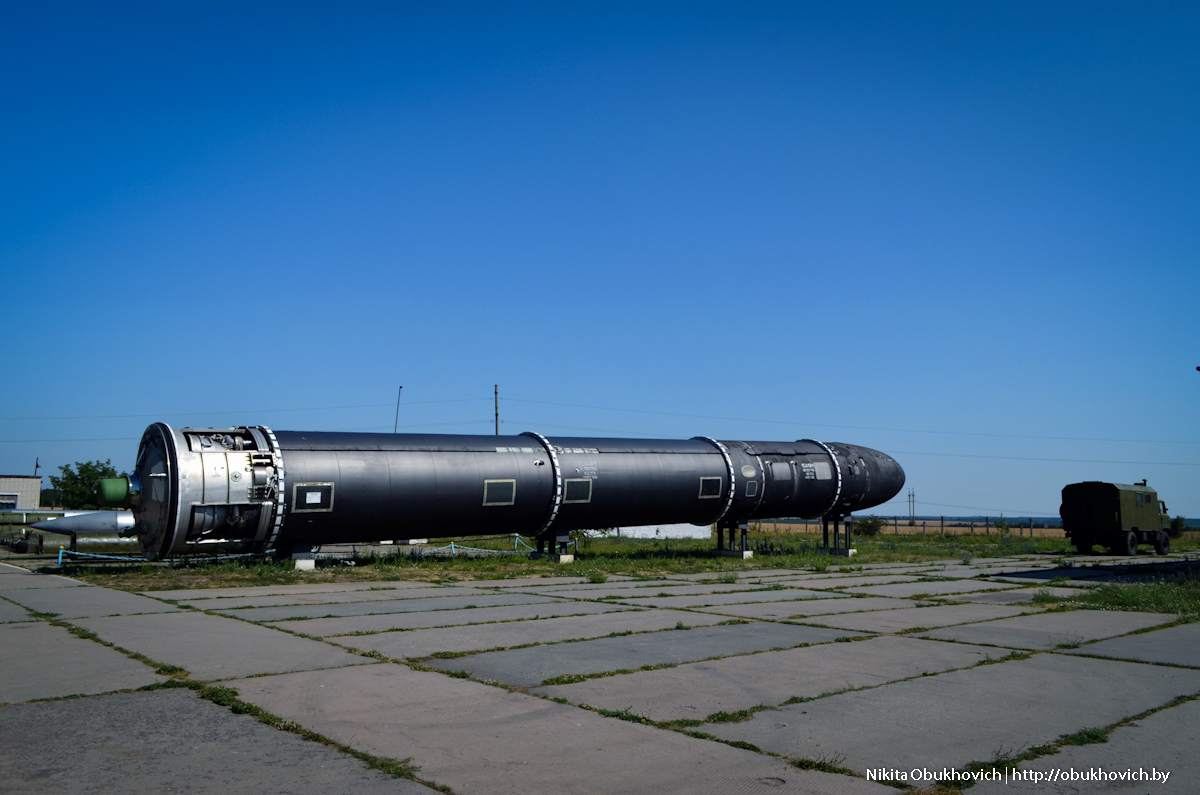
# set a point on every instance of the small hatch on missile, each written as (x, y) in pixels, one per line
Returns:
(710, 488)
(499, 492)
(312, 497)
(578, 490)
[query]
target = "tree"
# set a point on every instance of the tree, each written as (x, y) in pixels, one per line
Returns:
(51, 498)
(74, 485)
(1178, 525)
(870, 526)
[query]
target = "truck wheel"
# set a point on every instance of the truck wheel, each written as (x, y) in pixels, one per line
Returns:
(1162, 543)
(1127, 543)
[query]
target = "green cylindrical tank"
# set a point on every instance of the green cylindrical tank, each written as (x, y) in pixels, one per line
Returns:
(112, 492)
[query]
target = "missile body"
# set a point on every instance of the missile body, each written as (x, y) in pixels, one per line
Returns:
(254, 489)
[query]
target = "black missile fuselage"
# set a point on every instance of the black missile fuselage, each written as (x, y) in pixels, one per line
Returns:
(252, 489)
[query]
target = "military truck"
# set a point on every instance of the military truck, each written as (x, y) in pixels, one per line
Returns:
(1116, 516)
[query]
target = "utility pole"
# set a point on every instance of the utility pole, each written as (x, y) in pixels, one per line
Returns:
(36, 465)
(496, 400)
(396, 427)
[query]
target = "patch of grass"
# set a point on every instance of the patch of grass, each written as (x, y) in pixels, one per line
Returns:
(1084, 737)
(597, 577)
(1179, 595)
(681, 625)
(449, 655)
(728, 578)
(731, 621)
(565, 679)
(734, 717)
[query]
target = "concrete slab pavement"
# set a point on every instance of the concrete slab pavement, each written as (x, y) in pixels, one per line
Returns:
(12, 612)
(169, 741)
(1051, 630)
(477, 637)
(282, 590)
(529, 667)
(932, 587)
(1164, 741)
(1178, 645)
(86, 602)
(456, 602)
(12, 582)
(212, 647)
(40, 660)
(389, 622)
(915, 617)
(776, 611)
(746, 597)
(482, 740)
(971, 715)
(697, 690)
(1016, 597)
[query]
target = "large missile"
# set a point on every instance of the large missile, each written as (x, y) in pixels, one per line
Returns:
(253, 489)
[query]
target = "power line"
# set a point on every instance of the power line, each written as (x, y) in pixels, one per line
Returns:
(794, 423)
(1054, 460)
(232, 411)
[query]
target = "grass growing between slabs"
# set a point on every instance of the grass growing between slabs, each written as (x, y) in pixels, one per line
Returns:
(1178, 595)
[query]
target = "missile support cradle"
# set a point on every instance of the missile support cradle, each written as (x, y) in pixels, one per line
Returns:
(249, 489)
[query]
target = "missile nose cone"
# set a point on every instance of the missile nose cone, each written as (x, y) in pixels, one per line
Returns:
(891, 477)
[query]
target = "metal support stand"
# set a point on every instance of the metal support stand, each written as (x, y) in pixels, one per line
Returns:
(722, 551)
(844, 550)
(556, 542)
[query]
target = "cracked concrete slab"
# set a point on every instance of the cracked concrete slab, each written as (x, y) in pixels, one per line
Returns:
(40, 660)
(1178, 645)
(971, 715)
(918, 617)
(696, 690)
(170, 741)
(86, 602)
(424, 642)
(389, 622)
(527, 667)
(212, 647)
(456, 602)
(481, 740)
(1051, 630)
(1164, 741)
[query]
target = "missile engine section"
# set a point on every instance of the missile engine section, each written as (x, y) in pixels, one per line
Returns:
(251, 489)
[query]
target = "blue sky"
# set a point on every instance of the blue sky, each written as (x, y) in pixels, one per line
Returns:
(965, 234)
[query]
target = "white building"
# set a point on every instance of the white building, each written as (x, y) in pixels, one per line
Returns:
(20, 493)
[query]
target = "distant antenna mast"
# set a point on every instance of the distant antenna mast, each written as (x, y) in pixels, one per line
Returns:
(496, 399)
(36, 465)
(396, 427)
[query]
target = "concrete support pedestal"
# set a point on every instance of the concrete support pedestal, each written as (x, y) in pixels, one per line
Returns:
(304, 558)
(553, 557)
(740, 554)
(840, 551)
